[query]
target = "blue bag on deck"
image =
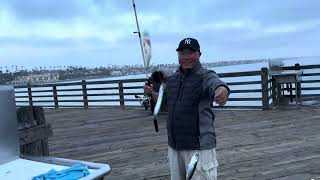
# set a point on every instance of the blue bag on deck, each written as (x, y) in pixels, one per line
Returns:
(73, 173)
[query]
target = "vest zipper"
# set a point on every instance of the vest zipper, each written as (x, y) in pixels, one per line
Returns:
(181, 89)
(175, 103)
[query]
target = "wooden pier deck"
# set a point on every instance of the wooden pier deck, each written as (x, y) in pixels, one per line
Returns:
(275, 144)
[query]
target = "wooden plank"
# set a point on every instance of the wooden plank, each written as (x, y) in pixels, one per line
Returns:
(251, 144)
(105, 94)
(44, 106)
(69, 101)
(118, 81)
(238, 107)
(311, 96)
(104, 82)
(21, 101)
(31, 117)
(132, 94)
(34, 134)
(41, 91)
(65, 90)
(302, 67)
(33, 85)
(265, 88)
(134, 80)
(244, 99)
(274, 92)
(316, 66)
(17, 92)
(55, 96)
(311, 74)
(41, 96)
(70, 95)
(243, 83)
(131, 100)
(107, 88)
(30, 95)
(63, 84)
(237, 74)
(68, 106)
(310, 88)
(21, 96)
(310, 81)
(246, 91)
(104, 100)
(84, 94)
(121, 96)
(42, 101)
(133, 87)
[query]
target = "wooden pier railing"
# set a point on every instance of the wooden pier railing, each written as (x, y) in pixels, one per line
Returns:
(120, 93)
(308, 78)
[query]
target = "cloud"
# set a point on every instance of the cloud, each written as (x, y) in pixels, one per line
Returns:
(110, 29)
(45, 9)
(46, 30)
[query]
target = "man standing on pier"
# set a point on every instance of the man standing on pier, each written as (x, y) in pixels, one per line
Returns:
(189, 94)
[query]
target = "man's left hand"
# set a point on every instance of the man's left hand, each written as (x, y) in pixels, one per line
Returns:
(221, 95)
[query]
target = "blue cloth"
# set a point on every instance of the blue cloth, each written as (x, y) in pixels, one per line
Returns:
(73, 173)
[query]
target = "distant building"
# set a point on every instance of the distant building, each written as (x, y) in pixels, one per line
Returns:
(35, 78)
(116, 73)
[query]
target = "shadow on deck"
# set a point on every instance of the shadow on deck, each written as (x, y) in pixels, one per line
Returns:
(276, 144)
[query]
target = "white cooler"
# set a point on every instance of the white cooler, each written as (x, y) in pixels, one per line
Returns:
(14, 166)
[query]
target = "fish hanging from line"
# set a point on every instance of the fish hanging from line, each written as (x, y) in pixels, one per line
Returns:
(192, 166)
(157, 107)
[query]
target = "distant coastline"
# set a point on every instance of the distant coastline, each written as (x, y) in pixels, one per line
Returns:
(76, 73)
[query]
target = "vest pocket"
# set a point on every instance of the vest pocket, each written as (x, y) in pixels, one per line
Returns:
(209, 170)
(208, 164)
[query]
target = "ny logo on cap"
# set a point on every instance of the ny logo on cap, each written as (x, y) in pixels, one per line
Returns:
(187, 41)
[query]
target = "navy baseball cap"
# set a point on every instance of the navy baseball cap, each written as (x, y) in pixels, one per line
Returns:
(189, 43)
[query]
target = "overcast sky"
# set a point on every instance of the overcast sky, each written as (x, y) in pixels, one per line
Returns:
(100, 32)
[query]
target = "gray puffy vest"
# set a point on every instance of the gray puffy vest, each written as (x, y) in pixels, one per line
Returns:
(183, 97)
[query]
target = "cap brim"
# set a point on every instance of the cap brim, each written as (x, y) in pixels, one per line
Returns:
(186, 47)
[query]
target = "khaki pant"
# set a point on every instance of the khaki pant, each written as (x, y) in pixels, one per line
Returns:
(206, 168)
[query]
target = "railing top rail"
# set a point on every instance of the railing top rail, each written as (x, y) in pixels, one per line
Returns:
(314, 66)
(80, 83)
(237, 74)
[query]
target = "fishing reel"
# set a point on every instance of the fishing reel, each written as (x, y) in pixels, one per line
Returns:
(144, 101)
(156, 79)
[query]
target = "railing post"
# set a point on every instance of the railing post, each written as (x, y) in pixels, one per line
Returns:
(55, 96)
(297, 67)
(30, 94)
(121, 96)
(274, 92)
(264, 87)
(84, 93)
(298, 88)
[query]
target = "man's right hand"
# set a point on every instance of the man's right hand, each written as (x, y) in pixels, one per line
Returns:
(148, 89)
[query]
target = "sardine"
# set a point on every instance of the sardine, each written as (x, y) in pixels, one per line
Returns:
(157, 107)
(192, 166)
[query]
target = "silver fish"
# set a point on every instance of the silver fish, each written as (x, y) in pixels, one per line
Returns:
(157, 107)
(192, 166)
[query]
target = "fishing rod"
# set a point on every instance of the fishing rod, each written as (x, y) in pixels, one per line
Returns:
(139, 34)
(146, 65)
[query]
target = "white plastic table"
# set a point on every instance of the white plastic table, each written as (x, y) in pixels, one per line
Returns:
(25, 168)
